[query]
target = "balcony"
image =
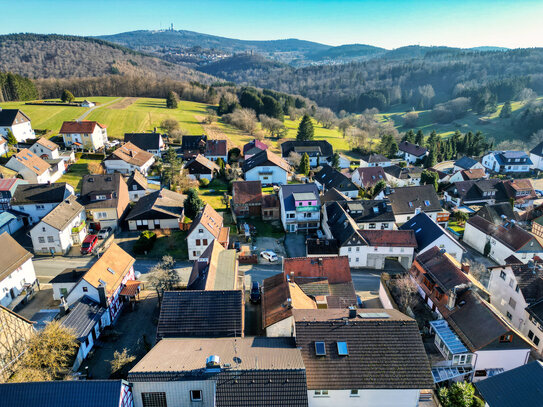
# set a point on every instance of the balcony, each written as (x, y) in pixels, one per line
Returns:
(308, 208)
(79, 228)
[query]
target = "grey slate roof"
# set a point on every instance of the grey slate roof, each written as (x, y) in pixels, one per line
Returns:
(163, 204)
(343, 228)
(289, 190)
(405, 200)
(101, 184)
(530, 280)
(412, 149)
(63, 393)
(7, 117)
(494, 213)
(27, 194)
(83, 317)
(472, 190)
(465, 162)
(332, 178)
(333, 195)
(538, 150)
(426, 230)
(322, 147)
(63, 213)
(375, 158)
(517, 387)
(145, 141)
(371, 210)
(383, 353)
(201, 314)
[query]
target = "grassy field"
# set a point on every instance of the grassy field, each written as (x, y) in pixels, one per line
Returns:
(75, 173)
(173, 244)
(213, 193)
(491, 126)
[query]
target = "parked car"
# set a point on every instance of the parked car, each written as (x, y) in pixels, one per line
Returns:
(237, 245)
(89, 244)
(104, 233)
(255, 293)
(269, 255)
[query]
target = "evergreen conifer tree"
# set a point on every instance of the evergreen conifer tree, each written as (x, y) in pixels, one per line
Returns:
(305, 129)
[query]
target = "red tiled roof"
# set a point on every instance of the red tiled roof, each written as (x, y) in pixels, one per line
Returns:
(216, 147)
(130, 289)
(335, 269)
(246, 192)
(389, 238)
(476, 173)
(371, 175)
(270, 201)
(254, 144)
(83, 127)
(7, 183)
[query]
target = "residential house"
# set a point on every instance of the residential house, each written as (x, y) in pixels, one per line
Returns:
(266, 167)
(468, 175)
(501, 240)
(517, 387)
(216, 269)
(246, 198)
(221, 372)
(137, 186)
(7, 190)
(150, 142)
(520, 192)
(104, 282)
(207, 226)
(328, 178)
(507, 161)
(498, 212)
(17, 122)
(391, 370)
(129, 158)
(429, 234)
(326, 280)
(191, 146)
(106, 199)
(45, 149)
(483, 191)
(68, 393)
(366, 213)
(34, 169)
(271, 208)
(253, 147)
(300, 207)
(536, 156)
(16, 270)
(216, 149)
(60, 229)
(473, 339)
(366, 247)
(344, 162)
(162, 209)
(86, 319)
(65, 281)
(37, 200)
(374, 160)
(398, 176)
(15, 333)
(84, 134)
(515, 290)
(407, 202)
(319, 151)
(368, 177)
(87, 103)
(279, 297)
(200, 167)
(201, 314)
(411, 152)
(467, 163)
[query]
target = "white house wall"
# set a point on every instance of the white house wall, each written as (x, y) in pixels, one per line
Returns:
(177, 392)
(278, 175)
(191, 242)
(449, 245)
(283, 328)
(366, 398)
(16, 280)
(21, 131)
(500, 359)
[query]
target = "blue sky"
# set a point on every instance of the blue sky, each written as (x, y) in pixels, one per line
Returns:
(386, 23)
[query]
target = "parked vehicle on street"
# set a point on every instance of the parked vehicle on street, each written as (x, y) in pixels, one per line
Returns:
(104, 233)
(255, 293)
(269, 255)
(89, 244)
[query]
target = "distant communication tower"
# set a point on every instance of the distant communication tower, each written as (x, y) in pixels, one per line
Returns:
(171, 27)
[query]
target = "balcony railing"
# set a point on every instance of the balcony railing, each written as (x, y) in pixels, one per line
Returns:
(77, 229)
(308, 208)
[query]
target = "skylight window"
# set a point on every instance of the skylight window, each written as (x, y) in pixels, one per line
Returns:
(110, 270)
(342, 349)
(410, 204)
(102, 282)
(320, 349)
(427, 203)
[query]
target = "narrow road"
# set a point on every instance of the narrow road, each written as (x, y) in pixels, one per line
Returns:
(82, 117)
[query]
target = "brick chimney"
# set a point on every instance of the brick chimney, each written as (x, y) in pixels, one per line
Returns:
(465, 268)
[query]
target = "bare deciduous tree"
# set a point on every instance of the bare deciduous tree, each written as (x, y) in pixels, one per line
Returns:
(163, 276)
(406, 291)
(120, 360)
(294, 158)
(244, 119)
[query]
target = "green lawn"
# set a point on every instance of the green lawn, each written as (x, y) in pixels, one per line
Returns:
(174, 244)
(75, 173)
(213, 193)
(267, 228)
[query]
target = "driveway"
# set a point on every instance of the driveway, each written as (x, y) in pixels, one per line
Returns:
(268, 243)
(136, 331)
(295, 245)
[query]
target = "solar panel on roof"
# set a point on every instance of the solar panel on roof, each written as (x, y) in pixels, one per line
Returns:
(373, 315)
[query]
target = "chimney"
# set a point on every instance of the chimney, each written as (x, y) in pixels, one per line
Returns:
(213, 363)
(452, 299)
(352, 312)
(102, 295)
(63, 307)
(465, 268)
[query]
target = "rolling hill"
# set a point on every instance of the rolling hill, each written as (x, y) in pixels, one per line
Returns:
(58, 56)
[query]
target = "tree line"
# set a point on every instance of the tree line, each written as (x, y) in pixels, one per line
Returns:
(14, 87)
